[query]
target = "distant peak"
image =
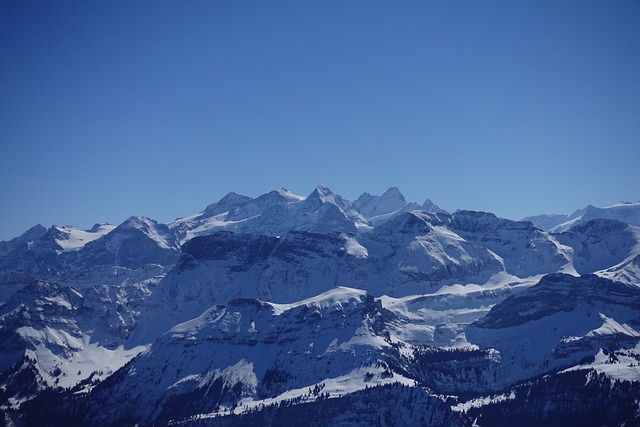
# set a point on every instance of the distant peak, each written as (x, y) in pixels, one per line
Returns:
(393, 193)
(320, 192)
(37, 228)
(139, 222)
(33, 233)
(392, 201)
(230, 201)
(321, 189)
(233, 198)
(429, 206)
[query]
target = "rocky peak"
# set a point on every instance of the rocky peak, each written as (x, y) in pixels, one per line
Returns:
(229, 202)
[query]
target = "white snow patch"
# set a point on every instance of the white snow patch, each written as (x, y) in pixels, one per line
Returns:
(354, 248)
(81, 361)
(76, 238)
(483, 401)
(611, 327)
(336, 296)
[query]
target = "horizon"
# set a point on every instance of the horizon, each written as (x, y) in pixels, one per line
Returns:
(159, 109)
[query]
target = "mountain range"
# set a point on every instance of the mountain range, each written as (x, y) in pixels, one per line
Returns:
(317, 310)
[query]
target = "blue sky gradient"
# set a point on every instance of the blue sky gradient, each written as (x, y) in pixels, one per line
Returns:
(158, 108)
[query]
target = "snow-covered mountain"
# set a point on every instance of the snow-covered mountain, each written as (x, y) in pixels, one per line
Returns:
(66, 335)
(29, 236)
(525, 250)
(274, 214)
(250, 352)
(378, 209)
(558, 324)
(605, 247)
(321, 311)
(412, 253)
(73, 238)
(624, 211)
(135, 243)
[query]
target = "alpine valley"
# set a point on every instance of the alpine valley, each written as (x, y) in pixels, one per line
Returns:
(319, 311)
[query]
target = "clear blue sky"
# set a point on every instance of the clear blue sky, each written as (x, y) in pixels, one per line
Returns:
(158, 108)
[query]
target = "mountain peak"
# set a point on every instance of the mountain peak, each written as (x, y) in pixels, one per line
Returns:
(137, 221)
(33, 233)
(429, 206)
(232, 198)
(36, 229)
(380, 208)
(322, 193)
(229, 202)
(393, 193)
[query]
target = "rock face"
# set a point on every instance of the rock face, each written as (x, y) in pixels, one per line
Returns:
(322, 311)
